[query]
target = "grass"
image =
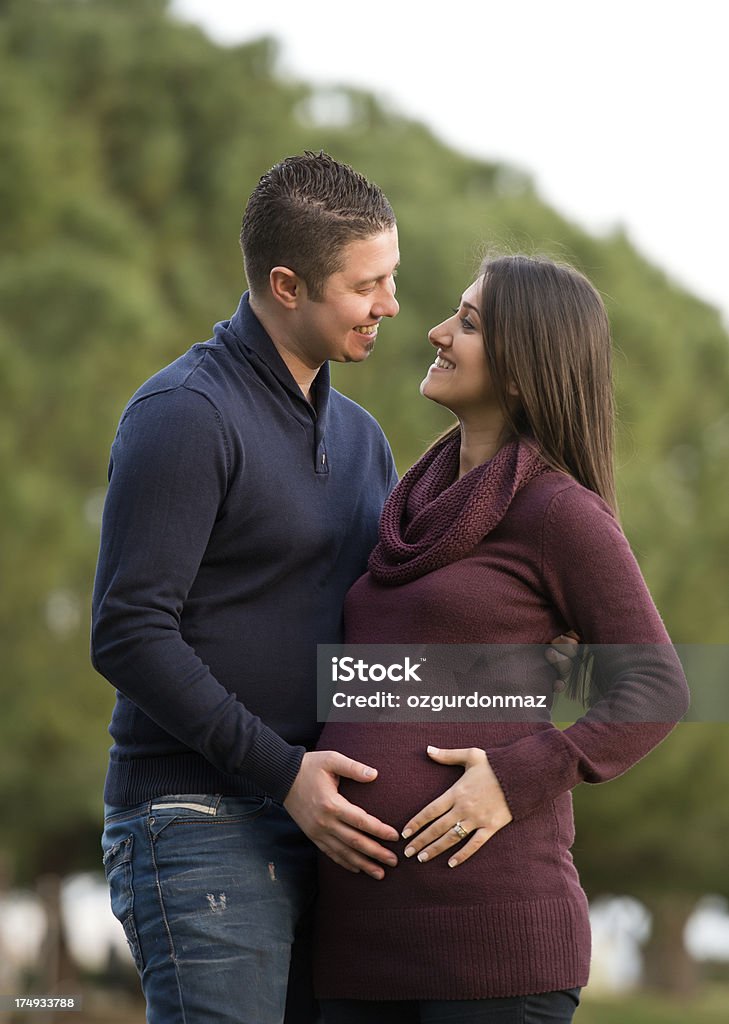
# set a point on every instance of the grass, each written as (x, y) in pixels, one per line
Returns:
(709, 1006)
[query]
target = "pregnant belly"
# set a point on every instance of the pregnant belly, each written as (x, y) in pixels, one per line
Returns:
(408, 779)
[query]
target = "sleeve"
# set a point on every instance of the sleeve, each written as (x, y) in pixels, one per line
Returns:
(392, 477)
(593, 579)
(167, 480)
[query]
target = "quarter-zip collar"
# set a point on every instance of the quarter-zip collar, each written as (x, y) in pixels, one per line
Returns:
(247, 334)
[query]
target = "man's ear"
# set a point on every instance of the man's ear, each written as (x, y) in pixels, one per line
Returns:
(287, 287)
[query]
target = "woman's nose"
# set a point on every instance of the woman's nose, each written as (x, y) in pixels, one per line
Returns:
(438, 336)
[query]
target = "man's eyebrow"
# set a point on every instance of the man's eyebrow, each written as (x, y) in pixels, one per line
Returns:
(373, 280)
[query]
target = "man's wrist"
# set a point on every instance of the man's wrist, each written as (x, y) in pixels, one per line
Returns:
(272, 763)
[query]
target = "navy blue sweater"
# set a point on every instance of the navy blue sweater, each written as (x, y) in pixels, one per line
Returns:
(237, 517)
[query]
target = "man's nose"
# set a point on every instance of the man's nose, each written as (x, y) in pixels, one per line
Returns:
(387, 304)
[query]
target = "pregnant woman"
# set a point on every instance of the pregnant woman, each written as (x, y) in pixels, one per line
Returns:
(504, 532)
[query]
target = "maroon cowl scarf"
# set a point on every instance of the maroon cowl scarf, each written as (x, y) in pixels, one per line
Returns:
(432, 518)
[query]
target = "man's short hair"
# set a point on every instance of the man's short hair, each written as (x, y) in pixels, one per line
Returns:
(301, 215)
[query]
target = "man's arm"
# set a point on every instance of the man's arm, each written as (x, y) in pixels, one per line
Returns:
(168, 480)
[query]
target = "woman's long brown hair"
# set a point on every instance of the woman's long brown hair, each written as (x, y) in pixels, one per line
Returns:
(546, 330)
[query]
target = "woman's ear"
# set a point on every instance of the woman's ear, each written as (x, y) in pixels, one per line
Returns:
(512, 390)
(286, 286)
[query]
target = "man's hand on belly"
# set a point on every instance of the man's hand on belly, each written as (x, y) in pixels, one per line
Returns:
(339, 828)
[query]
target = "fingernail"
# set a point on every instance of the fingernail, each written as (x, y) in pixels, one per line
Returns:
(432, 750)
(452, 862)
(370, 773)
(422, 857)
(410, 851)
(406, 833)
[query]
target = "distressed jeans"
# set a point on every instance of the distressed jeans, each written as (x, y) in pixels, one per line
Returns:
(215, 896)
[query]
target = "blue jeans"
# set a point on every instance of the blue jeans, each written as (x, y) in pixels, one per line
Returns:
(545, 1008)
(215, 896)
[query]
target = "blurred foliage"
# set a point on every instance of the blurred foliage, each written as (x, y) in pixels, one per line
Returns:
(634, 1008)
(668, 816)
(128, 146)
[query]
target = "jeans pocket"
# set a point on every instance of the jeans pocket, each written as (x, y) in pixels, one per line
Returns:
(194, 812)
(119, 876)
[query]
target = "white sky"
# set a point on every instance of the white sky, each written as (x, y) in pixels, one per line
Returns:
(617, 109)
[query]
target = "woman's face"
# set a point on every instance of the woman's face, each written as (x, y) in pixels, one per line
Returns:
(459, 378)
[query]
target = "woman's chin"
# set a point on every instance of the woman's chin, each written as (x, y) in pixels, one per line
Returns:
(427, 390)
(431, 393)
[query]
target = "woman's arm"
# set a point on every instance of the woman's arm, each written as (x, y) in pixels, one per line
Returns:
(594, 581)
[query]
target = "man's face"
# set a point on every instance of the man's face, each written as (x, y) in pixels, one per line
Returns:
(342, 325)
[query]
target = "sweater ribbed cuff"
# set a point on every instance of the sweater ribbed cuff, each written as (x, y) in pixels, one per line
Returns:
(533, 770)
(272, 763)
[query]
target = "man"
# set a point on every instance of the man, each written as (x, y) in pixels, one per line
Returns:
(244, 496)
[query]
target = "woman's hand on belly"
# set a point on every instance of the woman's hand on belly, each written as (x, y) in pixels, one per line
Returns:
(475, 804)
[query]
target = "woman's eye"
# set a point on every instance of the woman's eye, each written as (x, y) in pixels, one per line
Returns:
(467, 324)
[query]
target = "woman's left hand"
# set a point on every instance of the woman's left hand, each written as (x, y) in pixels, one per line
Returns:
(475, 803)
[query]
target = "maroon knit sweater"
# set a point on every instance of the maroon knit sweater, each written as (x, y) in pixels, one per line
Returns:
(513, 919)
